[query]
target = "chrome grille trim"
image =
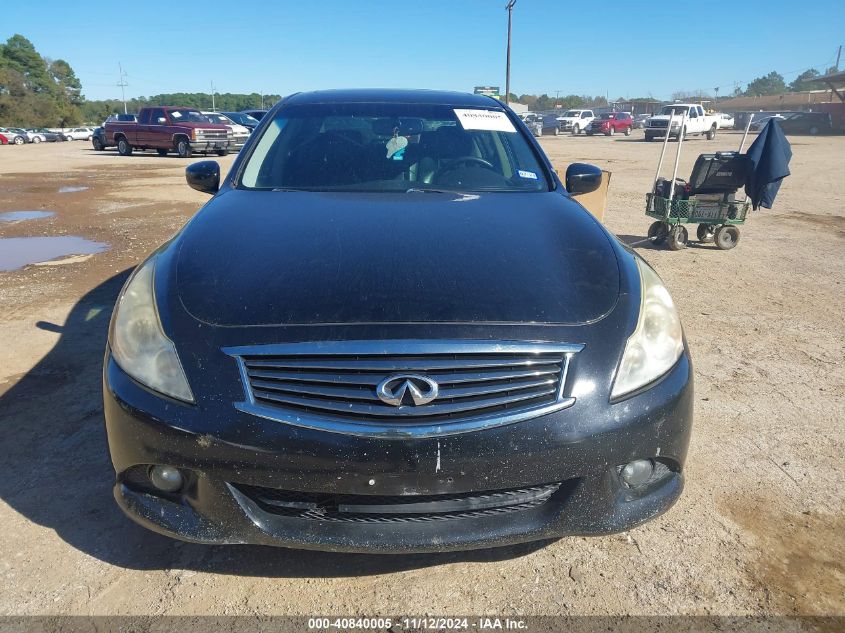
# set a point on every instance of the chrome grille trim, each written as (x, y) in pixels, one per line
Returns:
(330, 385)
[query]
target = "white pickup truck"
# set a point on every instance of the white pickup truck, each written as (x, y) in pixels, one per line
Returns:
(575, 121)
(697, 122)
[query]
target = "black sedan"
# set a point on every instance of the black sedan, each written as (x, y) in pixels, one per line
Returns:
(391, 329)
(811, 123)
(255, 114)
(242, 118)
(46, 135)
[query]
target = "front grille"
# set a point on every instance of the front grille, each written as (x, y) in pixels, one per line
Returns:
(337, 508)
(339, 381)
(658, 123)
(212, 135)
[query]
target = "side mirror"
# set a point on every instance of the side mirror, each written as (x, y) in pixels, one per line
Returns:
(204, 176)
(582, 178)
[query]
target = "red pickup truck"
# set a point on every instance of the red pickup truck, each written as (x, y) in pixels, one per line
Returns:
(169, 129)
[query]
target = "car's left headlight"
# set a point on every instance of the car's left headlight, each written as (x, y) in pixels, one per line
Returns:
(658, 340)
(138, 343)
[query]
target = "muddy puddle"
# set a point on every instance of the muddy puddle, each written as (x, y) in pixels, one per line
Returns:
(17, 252)
(17, 216)
(72, 189)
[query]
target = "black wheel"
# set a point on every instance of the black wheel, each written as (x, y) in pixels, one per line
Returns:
(711, 133)
(224, 152)
(36, 139)
(658, 232)
(576, 130)
(610, 131)
(97, 143)
(705, 233)
(813, 131)
(648, 139)
(18, 140)
(727, 237)
(681, 135)
(677, 238)
(627, 131)
(183, 148)
(161, 152)
(123, 147)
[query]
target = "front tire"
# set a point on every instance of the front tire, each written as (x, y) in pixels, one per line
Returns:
(677, 238)
(183, 148)
(123, 147)
(610, 131)
(711, 133)
(18, 140)
(627, 131)
(813, 131)
(576, 130)
(36, 139)
(727, 237)
(98, 144)
(222, 152)
(161, 152)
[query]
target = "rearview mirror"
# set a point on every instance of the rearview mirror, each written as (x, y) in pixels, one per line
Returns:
(204, 176)
(582, 178)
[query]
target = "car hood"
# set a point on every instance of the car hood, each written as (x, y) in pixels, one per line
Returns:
(276, 258)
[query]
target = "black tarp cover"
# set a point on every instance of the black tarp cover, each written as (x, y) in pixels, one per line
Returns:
(768, 165)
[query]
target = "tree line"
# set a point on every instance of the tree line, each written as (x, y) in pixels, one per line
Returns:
(94, 111)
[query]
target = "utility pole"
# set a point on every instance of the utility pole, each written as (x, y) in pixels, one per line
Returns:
(509, 7)
(213, 109)
(122, 83)
(838, 55)
(716, 97)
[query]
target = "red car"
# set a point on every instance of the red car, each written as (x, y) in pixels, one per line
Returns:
(610, 123)
(3, 140)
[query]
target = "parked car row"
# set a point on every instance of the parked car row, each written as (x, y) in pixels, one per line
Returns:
(182, 130)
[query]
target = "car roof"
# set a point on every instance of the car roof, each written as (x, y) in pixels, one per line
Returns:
(380, 95)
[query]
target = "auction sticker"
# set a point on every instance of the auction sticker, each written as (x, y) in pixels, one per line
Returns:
(493, 120)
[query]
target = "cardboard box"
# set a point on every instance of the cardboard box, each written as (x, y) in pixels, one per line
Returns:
(596, 201)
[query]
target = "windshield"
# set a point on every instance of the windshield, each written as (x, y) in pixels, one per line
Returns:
(243, 119)
(187, 116)
(218, 118)
(667, 110)
(392, 147)
(607, 116)
(572, 113)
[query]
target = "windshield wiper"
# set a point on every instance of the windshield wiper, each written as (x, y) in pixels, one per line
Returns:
(430, 190)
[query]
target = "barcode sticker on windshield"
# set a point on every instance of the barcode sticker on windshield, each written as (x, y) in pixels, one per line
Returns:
(484, 120)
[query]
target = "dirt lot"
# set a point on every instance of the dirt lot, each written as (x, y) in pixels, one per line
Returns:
(759, 529)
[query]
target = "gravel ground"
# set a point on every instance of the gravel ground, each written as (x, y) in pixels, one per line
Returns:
(759, 530)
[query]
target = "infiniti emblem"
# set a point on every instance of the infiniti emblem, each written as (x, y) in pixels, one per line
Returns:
(393, 389)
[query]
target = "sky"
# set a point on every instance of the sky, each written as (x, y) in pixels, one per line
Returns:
(614, 48)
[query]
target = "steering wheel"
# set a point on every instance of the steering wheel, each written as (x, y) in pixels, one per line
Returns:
(462, 160)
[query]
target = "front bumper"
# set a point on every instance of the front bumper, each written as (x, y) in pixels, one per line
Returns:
(216, 506)
(211, 145)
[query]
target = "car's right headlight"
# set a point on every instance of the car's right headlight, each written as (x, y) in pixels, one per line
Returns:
(138, 343)
(658, 340)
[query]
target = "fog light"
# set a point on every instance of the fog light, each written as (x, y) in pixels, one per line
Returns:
(166, 478)
(635, 474)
